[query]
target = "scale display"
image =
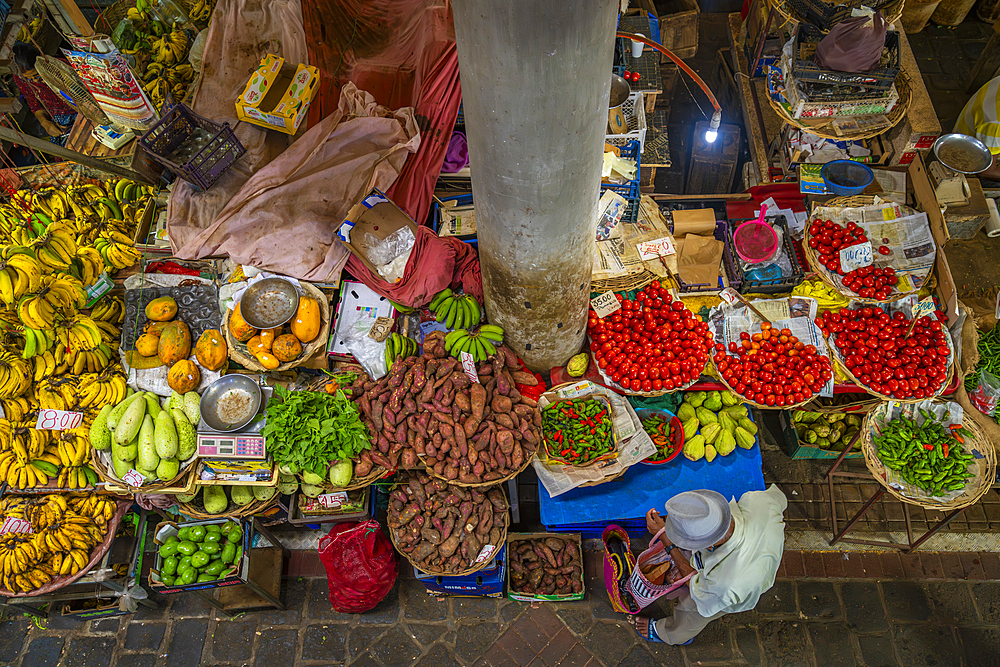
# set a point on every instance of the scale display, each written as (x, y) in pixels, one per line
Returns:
(231, 446)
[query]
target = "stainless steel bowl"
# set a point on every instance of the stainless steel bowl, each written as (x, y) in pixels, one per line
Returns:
(230, 403)
(620, 90)
(269, 303)
(962, 153)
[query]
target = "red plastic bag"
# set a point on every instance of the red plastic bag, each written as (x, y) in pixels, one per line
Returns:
(360, 565)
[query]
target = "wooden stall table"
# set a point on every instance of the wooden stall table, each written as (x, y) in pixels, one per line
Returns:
(131, 155)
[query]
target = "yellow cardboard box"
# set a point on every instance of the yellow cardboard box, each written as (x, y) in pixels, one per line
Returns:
(278, 95)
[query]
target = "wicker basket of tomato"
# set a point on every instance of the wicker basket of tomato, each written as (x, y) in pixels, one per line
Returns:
(579, 431)
(666, 432)
(651, 346)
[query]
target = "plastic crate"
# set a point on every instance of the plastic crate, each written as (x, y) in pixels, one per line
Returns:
(773, 286)
(825, 16)
(629, 190)
(804, 69)
(175, 128)
(635, 119)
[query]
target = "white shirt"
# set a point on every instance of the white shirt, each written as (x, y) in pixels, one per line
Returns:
(732, 577)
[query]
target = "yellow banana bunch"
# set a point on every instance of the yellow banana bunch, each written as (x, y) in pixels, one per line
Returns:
(20, 409)
(110, 309)
(15, 374)
(20, 273)
(118, 254)
(201, 12)
(36, 342)
(55, 249)
(88, 265)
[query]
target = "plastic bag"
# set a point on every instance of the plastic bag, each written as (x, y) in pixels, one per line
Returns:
(360, 565)
(987, 394)
(368, 352)
(852, 45)
(198, 50)
(391, 253)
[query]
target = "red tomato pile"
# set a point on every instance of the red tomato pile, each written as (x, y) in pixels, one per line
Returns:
(827, 238)
(652, 343)
(773, 367)
(881, 358)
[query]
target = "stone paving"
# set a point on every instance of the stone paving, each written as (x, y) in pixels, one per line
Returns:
(799, 622)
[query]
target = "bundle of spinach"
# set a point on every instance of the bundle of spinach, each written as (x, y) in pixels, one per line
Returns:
(307, 430)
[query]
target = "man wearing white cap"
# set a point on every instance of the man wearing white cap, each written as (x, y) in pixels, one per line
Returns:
(735, 550)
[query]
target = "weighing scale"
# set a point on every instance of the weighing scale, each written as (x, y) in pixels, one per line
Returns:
(950, 184)
(247, 443)
(112, 136)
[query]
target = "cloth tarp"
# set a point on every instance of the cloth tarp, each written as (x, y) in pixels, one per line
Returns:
(404, 53)
(285, 217)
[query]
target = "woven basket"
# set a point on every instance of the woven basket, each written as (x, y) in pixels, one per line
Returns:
(95, 557)
(239, 353)
(196, 510)
(632, 281)
(763, 406)
(377, 472)
(949, 374)
(892, 11)
(903, 89)
(647, 394)
(474, 485)
(107, 474)
(474, 567)
(825, 275)
(975, 488)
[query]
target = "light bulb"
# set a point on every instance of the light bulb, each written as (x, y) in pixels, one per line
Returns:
(711, 136)
(712, 133)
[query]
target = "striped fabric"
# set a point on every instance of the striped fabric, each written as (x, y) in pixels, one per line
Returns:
(981, 116)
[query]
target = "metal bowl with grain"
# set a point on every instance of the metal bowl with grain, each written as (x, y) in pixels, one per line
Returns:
(230, 403)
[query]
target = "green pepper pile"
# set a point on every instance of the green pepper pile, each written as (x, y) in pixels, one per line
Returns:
(929, 456)
(577, 431)
(989, 357)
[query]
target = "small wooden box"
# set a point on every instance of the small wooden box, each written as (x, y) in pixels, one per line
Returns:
(713, 165)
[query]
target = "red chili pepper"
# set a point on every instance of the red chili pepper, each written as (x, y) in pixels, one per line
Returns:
(928, 447)
(593, 431)
(944, 449)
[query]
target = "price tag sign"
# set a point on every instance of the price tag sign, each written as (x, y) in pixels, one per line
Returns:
(658, 248)
(605, 304)
(12, 525)
(134, 478)
(381, 329)
(486, 553)
(855, 256)
(923, 307)
(332, 500)
(469, 366)
(57, 420)
(729, 295)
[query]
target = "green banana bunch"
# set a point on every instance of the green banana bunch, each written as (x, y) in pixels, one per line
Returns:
(457, 311)
(398, 347)
(480, 344)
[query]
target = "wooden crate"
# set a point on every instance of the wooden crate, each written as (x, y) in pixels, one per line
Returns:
(713, 166)
(679, 27)
(130, 156)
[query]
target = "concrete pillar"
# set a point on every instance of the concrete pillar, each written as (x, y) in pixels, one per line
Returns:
(536, 77)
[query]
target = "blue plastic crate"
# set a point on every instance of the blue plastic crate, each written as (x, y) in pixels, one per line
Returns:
(487, 582)
(629, 190)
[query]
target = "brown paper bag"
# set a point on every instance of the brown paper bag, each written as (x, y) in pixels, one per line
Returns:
(698, 263)
(698, 221)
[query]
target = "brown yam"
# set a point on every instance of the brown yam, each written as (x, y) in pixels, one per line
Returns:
(524, 377)
(478, 401)
(448, 546)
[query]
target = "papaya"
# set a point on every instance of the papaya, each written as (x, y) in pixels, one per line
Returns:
(254, 345)
(238, 326)
(267, 337)
(267, 360)
(184, 376)
(155, 328)
(211, 350)
(175, 343)
(286, 348)
(147, 344)
(162, 309)
(307, 320)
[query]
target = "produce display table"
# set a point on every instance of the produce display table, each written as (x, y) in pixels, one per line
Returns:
(626, 500)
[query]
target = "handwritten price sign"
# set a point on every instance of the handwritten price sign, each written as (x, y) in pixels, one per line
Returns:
(923, 307)
(855, 256)
(332, 500)
(658, 248)
(134, 478)
(729, 295)
(57, 420)
(12, 525)
(605, 304)
(469, 366)
(486, 553)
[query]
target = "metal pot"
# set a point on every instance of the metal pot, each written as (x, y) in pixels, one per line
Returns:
(620, 90)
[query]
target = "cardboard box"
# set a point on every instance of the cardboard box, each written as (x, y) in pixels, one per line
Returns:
(375, 216)
(487, 582)
(233, 578)
(142, 232)
(528, 597)
(354, 297)
(277, 96)
(298, 518)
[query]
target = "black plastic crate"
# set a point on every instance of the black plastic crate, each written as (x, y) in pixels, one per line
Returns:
(783, 284)
(805, 70)
(168, 142)
(721, 230)
(825, 16)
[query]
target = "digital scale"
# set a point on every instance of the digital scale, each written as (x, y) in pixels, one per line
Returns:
(247, 443)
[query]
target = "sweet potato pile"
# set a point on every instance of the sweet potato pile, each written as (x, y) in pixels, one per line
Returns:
(427, 408)
(440, 527)
(549, 566)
